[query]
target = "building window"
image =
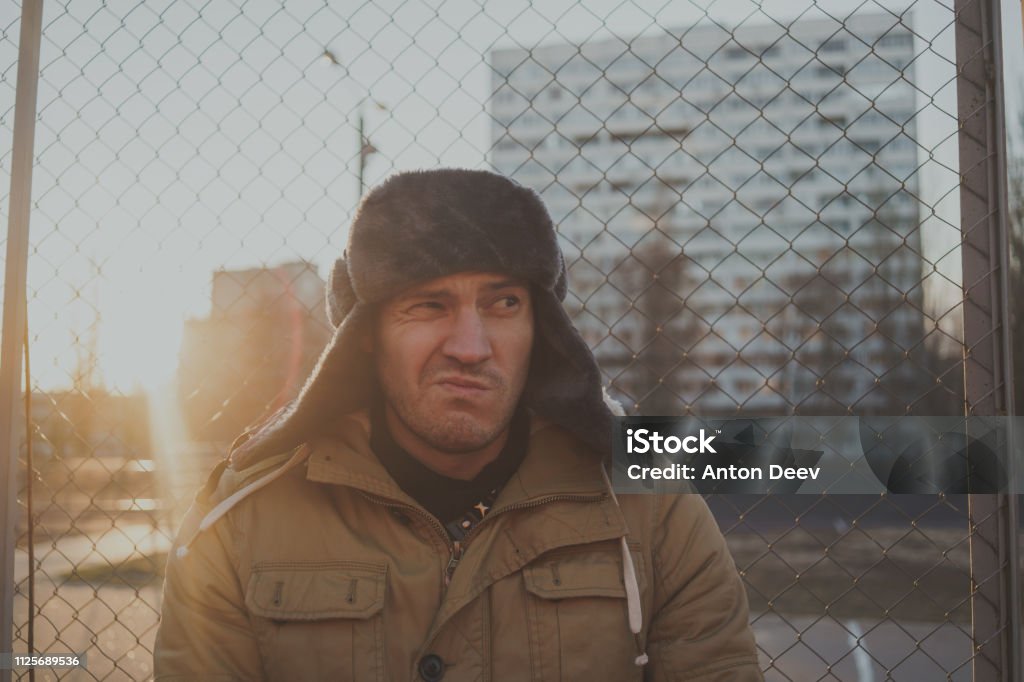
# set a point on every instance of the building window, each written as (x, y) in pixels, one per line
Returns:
(894, 39)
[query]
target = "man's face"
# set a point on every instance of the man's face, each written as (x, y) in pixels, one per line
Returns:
(452, 356)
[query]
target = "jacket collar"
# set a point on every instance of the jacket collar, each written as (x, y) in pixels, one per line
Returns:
(555, 464)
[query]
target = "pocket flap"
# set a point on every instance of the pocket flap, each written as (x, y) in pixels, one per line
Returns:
(580, 574)
(294, 590)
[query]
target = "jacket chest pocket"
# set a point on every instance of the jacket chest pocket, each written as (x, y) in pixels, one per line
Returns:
(578, 617)
(319, 620)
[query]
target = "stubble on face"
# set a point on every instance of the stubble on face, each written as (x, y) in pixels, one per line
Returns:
(449, 424)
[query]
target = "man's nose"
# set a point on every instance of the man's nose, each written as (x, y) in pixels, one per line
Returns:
(468, 341)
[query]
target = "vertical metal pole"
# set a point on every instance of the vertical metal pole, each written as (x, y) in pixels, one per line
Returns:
(362, 151)
(14, 315)
(1010, 49)
(987, 361)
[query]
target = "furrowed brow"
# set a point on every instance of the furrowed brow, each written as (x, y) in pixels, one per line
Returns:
(505, 284)
(426, 293)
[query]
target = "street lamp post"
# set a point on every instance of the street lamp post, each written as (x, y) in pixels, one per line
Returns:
(363, 146)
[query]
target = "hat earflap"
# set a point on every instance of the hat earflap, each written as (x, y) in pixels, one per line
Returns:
(341, 297)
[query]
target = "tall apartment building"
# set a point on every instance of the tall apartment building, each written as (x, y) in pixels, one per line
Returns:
(738, 210)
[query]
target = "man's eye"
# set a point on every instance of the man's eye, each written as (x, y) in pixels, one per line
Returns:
(428, 306)
(508, 301)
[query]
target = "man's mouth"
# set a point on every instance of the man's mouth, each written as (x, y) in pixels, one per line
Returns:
(463, 384)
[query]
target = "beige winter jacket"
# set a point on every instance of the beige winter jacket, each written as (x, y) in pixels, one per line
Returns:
(323, 569)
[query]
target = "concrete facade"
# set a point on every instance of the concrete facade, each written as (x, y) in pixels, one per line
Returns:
(739, 212)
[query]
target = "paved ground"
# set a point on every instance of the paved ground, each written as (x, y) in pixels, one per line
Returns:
(820, 648)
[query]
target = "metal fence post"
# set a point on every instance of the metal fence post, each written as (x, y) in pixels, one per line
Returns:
(987, 360)
(14, 300)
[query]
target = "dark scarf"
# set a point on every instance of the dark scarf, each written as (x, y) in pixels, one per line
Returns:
(456, 503)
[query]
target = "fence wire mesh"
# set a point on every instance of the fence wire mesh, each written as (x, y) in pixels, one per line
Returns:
(759, 204)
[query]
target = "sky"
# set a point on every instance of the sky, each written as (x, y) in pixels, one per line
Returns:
(176, 138)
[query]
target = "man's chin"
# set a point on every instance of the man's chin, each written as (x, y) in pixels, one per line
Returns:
(461, 444)
(461, 436)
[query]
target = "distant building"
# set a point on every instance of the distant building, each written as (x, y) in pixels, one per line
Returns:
(739, 211)
(91, 457)
(265, 331)
(72, 424)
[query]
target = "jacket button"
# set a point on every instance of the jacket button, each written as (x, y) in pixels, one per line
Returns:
(431, 668)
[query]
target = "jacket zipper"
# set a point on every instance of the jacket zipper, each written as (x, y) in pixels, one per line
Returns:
(453, 561)
(460, 547)
(565, 497)
(456, 549)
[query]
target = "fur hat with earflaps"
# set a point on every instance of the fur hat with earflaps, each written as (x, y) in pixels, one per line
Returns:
(418, 226)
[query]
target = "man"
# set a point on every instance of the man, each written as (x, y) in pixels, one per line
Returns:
(434, 505)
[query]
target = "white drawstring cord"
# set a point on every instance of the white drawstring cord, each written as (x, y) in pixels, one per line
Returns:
(636, 616)
(227, 503)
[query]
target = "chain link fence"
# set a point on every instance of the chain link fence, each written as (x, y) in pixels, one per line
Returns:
(760, 206)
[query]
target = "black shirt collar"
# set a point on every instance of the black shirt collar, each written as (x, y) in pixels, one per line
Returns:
(447, 498)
